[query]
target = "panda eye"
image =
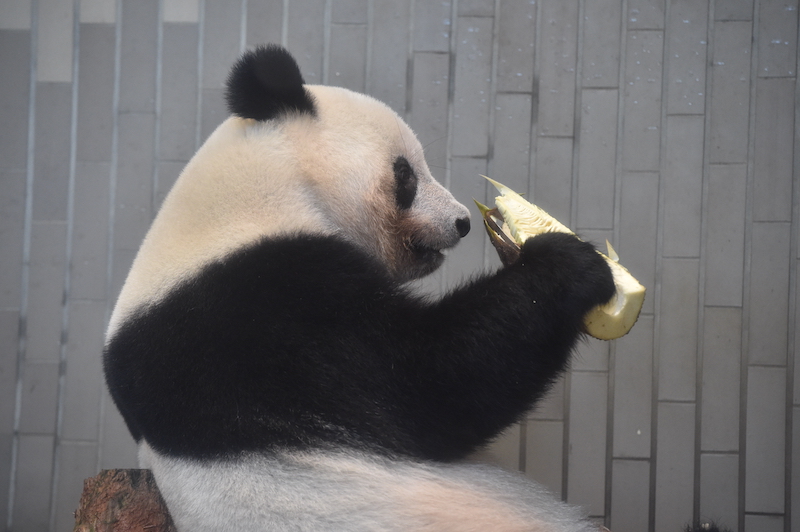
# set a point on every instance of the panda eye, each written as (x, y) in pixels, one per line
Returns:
(405, 183)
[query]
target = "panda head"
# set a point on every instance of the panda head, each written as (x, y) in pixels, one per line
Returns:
(359, 166)
(292, 159)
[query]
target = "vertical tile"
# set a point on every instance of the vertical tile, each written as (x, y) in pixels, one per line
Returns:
(98, 11)
(179, 86)
(641, 104)
(348, 56)
(52, 151)
(633, 391)
(95, 120)
(466, 183)
(504, 451)
(733, 10)
(795, 336)
(544, 448)
(766, 440)
(31, 509)
(552, 405)
(552, 183)
(769, 293)
(472, 98)
(9, 342)
(730, 92)
(118, 450)
(134, 192)
(724, 239)
(630, 495)
(214, 111)
(428, 112)
(774, 149)
(349, 11)
(5, 472)
(45, 291)
(90, 231)
(516, 36)
(15, 15)
(83, 376)
(795, 460)
(54, 40)
(675, 465)
(432, 25)
(682, 185)
(138, 54)
(557, 61)
(587, 441)
(777, 38)
(264, 23)
(476, 8)
(638, 230)
(77, 462)
(677, 344)
(722, 356)
(181, 11)
(15, 59)
(39, 398)
(687, 44)
(221, 42)
(512, 141)
(388, 68)
(306, 36)
(597, 159)
(12, 219)
(591, 354)
(601, 43)
(764, 523)
(719, 488)
(646, 14)
(598, 237)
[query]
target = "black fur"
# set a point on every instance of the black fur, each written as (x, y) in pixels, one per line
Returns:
(405, 183)
(308, 342)
(266, 83)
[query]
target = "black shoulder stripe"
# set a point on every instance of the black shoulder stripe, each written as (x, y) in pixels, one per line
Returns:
(266, 83)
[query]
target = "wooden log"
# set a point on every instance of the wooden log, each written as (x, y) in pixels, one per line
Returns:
(122, 500)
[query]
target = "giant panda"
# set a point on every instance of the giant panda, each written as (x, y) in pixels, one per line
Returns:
(271, 360)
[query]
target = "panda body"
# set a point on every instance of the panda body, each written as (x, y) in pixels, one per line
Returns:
(269, 359)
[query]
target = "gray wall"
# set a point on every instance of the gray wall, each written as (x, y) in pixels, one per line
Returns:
(666, 126)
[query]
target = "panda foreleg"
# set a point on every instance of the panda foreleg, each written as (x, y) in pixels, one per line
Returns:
(490, 349)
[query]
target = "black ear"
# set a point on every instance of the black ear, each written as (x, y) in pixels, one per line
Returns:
(266, 83)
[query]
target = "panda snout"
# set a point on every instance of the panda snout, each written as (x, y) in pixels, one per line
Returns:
(462, 226)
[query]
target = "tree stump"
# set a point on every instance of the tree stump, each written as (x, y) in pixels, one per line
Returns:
(122, 500)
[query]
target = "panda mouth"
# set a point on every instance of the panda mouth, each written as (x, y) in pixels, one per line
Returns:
(427, 258)
(426, 253)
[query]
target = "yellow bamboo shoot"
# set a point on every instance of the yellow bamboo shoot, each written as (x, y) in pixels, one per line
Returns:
(519, 220)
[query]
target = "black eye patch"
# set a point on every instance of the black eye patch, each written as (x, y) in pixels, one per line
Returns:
(405, 182)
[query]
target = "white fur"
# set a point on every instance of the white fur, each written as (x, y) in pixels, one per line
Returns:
(331, 174)
(349, 492)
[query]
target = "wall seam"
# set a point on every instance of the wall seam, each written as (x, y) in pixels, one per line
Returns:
(26, 259)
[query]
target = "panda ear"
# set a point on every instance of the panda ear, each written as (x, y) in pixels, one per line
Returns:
(266, 83)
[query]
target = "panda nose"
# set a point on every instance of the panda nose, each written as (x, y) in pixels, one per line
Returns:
(462, 226)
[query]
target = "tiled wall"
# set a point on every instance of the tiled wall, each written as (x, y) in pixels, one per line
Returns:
(666, 126)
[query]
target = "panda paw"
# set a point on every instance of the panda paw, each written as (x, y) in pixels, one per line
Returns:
(579, 274)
